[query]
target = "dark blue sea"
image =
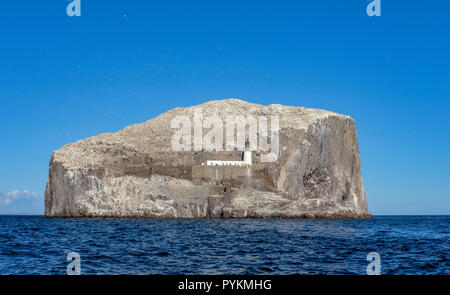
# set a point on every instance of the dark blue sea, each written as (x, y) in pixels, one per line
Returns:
(406, 245)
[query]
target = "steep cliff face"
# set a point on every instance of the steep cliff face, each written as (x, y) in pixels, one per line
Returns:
(136, 173)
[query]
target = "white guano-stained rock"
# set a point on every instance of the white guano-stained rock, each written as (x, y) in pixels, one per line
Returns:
(135, 173)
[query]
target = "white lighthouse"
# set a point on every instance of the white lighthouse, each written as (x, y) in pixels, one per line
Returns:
(247, 154)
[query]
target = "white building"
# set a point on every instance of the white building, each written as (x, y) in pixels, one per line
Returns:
(246, 162)
(225, 163)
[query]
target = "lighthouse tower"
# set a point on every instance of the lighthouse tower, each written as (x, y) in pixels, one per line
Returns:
(247, 154)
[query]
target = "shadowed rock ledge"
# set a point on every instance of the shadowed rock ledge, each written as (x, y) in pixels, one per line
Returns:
(135, 173)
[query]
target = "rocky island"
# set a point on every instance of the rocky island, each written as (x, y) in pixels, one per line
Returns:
(137, 173)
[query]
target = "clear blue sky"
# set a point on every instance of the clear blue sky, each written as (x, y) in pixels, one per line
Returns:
(122, 62)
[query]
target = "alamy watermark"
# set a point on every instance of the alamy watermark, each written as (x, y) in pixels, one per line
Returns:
(374, 8)
(74, 266)
(74, 8)
(374, 267)
(235, 127)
